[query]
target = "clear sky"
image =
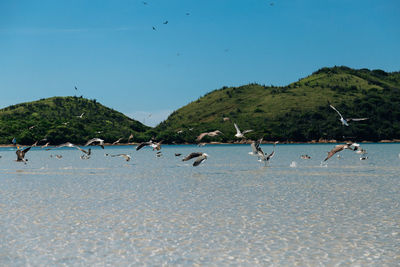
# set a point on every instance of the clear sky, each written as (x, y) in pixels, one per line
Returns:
(110, 52)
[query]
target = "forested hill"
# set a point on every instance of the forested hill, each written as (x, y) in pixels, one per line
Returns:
(58, 120)
(297, 112)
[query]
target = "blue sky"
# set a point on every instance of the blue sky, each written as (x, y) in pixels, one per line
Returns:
(110, 52)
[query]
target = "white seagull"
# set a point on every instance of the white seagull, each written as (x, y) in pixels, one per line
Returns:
(346, 121)
(212, 134)
(95, 140)
(240, 134)
(199, 155)
(125, 156)
(339, 148)
(81, 116)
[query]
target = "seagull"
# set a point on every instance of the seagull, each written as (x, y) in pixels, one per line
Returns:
(96, 140)
(154, 28)
(144, 3)
(45, 145)
(116, 142)
(21, 154)
(305, 157)
(257, 151)
(33, 126)
(199, 155)
(240, 134)
(68, 144)
(165, 22)
(34, 144)
(59, 156)
(212, 134)
(76, 88)
(81, 116)
(339, 148)
(125, 156)
(156, 146)
(346, 121)
(225, 119)
(130, 137)
(363, 158)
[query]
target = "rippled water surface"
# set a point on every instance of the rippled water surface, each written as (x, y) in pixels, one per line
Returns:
(231, 210)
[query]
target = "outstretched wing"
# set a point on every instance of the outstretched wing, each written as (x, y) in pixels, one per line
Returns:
(336, 110)
(201, 136)
(357, 119)
(237, 128)
(247, 131)
(192, 155)
(334, 151)
(199, 160)
(143, 144)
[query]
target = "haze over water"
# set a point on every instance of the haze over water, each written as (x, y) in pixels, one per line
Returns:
(231, 210)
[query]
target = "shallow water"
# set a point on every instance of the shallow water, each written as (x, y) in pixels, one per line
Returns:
(231, 210)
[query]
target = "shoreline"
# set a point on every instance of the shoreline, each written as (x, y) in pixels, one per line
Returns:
(249, 142)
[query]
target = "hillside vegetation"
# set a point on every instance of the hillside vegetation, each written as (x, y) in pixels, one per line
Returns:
(57, 120)
(297, 112)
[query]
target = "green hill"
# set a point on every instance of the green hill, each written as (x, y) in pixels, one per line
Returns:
(56, 119)
(297, 112)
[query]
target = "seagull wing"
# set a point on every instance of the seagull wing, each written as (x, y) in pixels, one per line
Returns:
(84, 151)
(201, 136)
(143, 144)
(336, 110)
(192, 155)
(357, 119)
(237, 128)
(199, 160)
(334, 151)
(247, 131)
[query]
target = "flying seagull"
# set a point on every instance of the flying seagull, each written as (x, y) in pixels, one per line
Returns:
(125, 156)
(21, 154)
(199, 155)
(165, 22)
(346, 121)
(130, 137)
(81, 116)
(154, 28)
(96, 140)
(68, 144)
(339, 148)
(240, 134)
(257, 151)
(212, 134)
(116, 142)
(76, 88)
(45, 145)
(155, 146)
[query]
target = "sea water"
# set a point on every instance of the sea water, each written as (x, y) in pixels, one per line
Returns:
(230, 210)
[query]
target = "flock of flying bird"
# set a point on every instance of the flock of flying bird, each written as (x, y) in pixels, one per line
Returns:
(200, 156)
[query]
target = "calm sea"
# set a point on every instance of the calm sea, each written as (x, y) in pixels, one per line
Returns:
(231, 210)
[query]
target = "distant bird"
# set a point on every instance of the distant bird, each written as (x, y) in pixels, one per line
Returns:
(212, 134)
(346, 121)
(144, 3)
(179, 132)
(293, 164)
(199, 155)
(305, 157)
(143, 144)
(125, 156)
(338, 148)
(116, 142)
(76, 89)
(65, 123)
(201, 144)
(159, 154)
(363, 158)
(45, 145)
(33, 126)
(187, 14)
(154, 28)
(95, 141)
(59, 156)
(81, 116)
(165, 22)
(225, 119)
(14, 141)
(130, 137)
(21, 154)
(178, 154)
(240, 134)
